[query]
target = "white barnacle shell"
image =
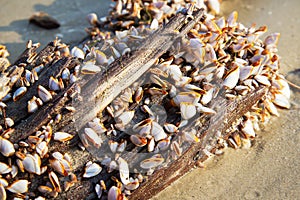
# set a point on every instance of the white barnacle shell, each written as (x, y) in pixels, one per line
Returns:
(245, 72)
(3, 182)
(262, 79)
(221, 22)
(124, 170)
(171, 128)
(192, 87)
(92, 19)
(57, 155)
(151, 145)
(232, 77)
(283, 86)
(242, 89)
(53, 84)
(98, 190)
(32, 164)
(271, 107)
(100, 57)
(121, 146)
(247, 129)
(163, 144)
(175, 72)
(154, 24)
(77, 52)
(92, 137)
(97, 126)
(42, 148)
(113, 145)
(157, 131)
(7, 96)
(272, 40)
(9, 122)
(19, 186)
(14, 171)
(133, 184)
(183, 81)
(65, 74)
(6, 147)
(152, 162)
(138, 140)
(203, 109)
(114, 193)
(188, 97)
(54, 181)
(62, 136)
(126, 117)
(143, 127)
(210, 53)
(187, 110)
(281, 100)
(92, 169)
(138, 96)
(121, 34)
(44, 94)
(90, 68)
(207, 97)
(189, 136)
(29, 76)
(19, 93)
(112, 166)
(32, 105)
(232, 143)
(2, 192)
(197, 46)
(4, 168)
(115, 52)
(110, 60)
(232, 19)
(61, 166)
(183, 123)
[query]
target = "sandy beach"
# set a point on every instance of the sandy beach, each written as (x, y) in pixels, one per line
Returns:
(271, 168)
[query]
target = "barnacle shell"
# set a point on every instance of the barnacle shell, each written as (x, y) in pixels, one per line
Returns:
(91, 169)
(6, 147)
(19, 186)
(19, 93)
(44, 94)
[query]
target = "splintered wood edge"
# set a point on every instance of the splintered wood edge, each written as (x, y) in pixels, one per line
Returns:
(227, 113)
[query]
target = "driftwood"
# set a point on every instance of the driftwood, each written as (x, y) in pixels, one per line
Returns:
(227, 113)
(99, 90)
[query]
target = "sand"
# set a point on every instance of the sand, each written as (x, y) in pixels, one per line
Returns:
(271, 168)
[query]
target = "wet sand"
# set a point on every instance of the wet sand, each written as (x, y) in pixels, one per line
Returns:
(271, 168)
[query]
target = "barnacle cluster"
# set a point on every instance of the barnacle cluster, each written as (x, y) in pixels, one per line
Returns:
(154, 115)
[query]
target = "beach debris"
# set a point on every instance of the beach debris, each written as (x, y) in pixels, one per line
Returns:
(44, 20)
(154, 116)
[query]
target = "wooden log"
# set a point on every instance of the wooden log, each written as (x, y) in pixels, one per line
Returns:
(99, 90)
